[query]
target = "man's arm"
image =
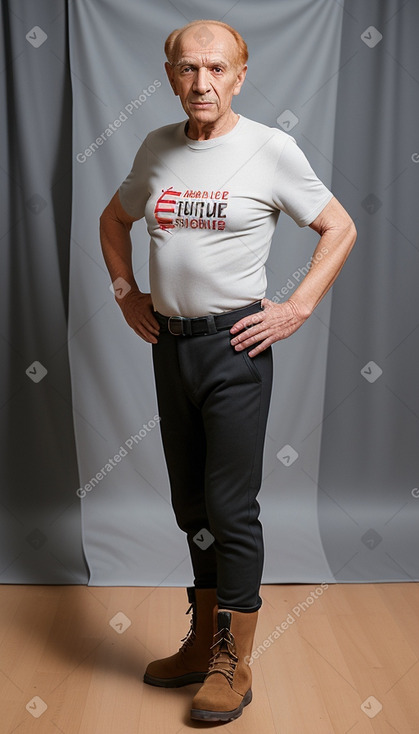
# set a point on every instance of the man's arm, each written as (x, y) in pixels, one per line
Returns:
(279, 320)
(115, 239)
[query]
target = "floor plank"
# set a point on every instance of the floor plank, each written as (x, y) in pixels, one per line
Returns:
(328, 659)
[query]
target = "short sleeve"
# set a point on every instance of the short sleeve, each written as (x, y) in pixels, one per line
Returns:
(296, 189)
(134, 192)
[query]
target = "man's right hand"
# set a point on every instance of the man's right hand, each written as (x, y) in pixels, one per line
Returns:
(137, 308)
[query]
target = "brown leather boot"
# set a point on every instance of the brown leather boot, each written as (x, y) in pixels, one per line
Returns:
(227, 686)
(190, 663)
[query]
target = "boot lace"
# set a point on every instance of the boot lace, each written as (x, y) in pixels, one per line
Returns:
(190, 637)
(224, 659)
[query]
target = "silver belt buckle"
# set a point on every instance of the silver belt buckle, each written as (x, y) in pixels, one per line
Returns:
(178, 320)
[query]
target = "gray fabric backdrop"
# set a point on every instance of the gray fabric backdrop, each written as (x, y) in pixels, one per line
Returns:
(342, 78)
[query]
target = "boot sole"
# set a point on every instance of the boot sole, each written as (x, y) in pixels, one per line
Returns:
(202, 715)
(182, 680)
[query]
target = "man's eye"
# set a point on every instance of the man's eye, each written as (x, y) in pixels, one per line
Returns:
(186, 69)
(217, 69)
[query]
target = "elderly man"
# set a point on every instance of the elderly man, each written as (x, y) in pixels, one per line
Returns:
(211, 189)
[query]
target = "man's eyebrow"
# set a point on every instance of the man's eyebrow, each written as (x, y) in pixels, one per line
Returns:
(191, 62)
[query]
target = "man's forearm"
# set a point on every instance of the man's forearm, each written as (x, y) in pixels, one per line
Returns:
(115, 240)
(327, 261)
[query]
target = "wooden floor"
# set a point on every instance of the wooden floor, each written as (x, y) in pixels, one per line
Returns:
(72, 660)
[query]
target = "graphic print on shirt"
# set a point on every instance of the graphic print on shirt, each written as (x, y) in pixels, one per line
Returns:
(191, 209)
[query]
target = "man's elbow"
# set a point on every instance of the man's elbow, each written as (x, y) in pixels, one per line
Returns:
(352, 233)
(106, 214)
(348, 231)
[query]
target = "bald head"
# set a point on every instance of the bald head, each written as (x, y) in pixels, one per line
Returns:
(201, 35)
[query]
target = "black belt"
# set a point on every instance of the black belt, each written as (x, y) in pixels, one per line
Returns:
(202, 325)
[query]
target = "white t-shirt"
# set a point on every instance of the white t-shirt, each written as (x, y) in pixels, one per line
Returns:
(211, 209)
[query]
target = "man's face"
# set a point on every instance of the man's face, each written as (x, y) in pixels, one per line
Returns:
(206, 75)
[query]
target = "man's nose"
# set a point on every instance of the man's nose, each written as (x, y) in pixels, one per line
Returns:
(201, 81)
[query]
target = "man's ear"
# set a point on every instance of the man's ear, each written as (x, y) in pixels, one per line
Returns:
(171, 77)
(240, 79)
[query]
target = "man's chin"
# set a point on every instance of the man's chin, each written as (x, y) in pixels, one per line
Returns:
(198, 112)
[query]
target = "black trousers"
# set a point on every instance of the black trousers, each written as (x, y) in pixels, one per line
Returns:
(213, 403)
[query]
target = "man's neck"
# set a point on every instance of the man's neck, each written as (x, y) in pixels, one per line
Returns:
(206, 131)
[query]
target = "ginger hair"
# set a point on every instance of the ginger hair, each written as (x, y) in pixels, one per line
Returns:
(171, 46)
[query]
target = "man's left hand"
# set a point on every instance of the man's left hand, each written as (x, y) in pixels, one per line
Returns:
(275, 322)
